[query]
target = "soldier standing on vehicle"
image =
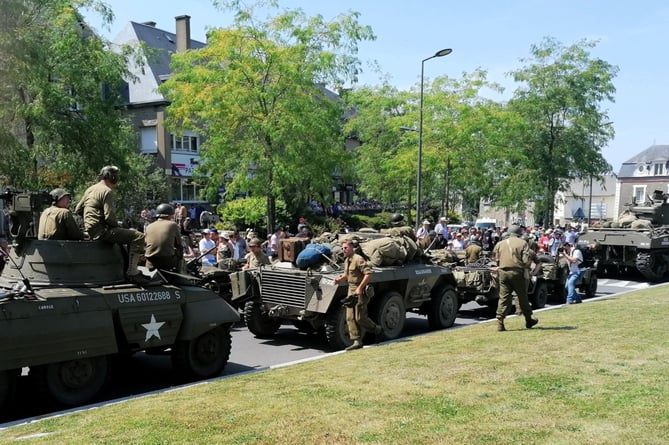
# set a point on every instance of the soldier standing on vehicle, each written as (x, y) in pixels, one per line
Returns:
(357, 273)
(57, 221)
(256, 257)
(514, 259)
(97, 209)
(164, 248)
(473, 250)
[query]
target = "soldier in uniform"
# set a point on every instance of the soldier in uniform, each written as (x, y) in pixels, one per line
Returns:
(256, 257)
(57, 221)
(357, 273)
(164, 248)
(514, 259)
(97, 209)
(473, 250)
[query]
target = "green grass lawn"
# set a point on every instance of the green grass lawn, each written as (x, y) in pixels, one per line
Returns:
(595, 373)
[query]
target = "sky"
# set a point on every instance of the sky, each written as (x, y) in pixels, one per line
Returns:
(492, 35)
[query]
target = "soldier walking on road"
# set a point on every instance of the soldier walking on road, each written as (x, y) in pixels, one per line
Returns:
(357, 273)
(514, 259)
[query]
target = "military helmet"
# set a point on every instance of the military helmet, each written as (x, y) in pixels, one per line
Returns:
(396, 219)
(515, 229)
(255, 242)
(57, 194)
(164, 210)
(111, 173)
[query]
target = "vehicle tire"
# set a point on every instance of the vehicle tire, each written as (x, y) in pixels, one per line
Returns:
(336, 329)
(204, 356)
(540, 296)
(259, 323)
(75, 382)
(390, 313)
(442, 308)
(591, 286)
(7, 387)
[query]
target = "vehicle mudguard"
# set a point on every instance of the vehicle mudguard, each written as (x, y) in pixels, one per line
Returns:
(202, 316)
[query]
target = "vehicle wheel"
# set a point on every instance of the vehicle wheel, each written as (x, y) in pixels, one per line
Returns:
(591, 286)
(258, 322)
(336, 330)
(7, 386)
(75, 382)
(540, 296)
(204, 356)
(651, 265)
(443, 308)
(390, 314)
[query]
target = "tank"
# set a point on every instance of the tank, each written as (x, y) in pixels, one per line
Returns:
(67, 312)
(309, 299)
(638, 240)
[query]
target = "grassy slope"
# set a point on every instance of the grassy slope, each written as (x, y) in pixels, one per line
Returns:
(589, 373)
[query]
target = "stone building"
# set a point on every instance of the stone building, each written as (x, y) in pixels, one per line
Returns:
(640, 176)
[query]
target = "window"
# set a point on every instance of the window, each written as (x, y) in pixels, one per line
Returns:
(185, 189)
(658, 169)
(639, 194)
(149, 144)
(188, 143)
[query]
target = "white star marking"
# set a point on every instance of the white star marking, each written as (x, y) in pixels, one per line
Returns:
(152, 328)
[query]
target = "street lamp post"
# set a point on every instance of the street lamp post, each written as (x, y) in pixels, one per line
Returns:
(440, 53)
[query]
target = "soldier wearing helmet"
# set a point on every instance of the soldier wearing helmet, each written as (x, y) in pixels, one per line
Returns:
(256, 257)
(514, 259)
(164, 248)
(97, 209)
(396, 220)
(57, 221)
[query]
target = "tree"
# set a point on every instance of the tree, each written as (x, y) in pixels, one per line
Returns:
(60, 108)
(561, 99)
(256, 95)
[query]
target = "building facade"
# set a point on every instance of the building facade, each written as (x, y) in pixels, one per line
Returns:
(641, 176)
(177, 155)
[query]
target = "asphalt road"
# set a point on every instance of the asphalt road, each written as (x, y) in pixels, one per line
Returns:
(143, 373)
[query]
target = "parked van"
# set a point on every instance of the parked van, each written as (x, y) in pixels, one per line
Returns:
(485, 223)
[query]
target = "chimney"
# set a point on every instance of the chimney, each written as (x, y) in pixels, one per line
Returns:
(183, 33)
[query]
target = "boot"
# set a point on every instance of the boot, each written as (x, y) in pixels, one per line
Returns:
(133, 274)
(500, 325)
(357, 344)
(529, 322)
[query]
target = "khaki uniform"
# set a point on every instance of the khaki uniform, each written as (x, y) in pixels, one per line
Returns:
(97, 209)
(356, 268)
(472, 253)
(253, 260)
(514, 259)
(59, 224)
(164, 248)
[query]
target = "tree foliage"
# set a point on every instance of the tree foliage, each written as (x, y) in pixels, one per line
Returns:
(561, 98)
(256, 93)
(60, 106)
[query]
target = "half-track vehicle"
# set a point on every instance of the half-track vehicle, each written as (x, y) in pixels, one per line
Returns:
(638, 240)
(68, 311)
(310, 300)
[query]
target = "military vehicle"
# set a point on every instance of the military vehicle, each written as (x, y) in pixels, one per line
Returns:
(478, 282)
(67, 312)
(639, 240)
(310, 300)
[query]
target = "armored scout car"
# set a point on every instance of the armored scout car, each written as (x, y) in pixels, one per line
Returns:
(66, 311)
